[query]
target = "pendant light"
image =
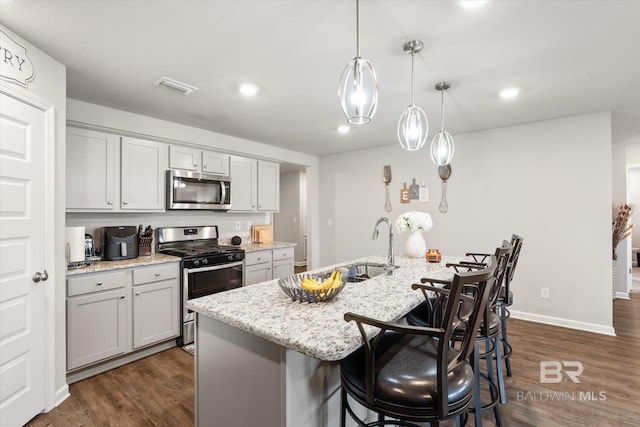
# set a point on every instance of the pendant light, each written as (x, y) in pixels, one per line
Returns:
(358, 90)
(413, 125)
(442, 145)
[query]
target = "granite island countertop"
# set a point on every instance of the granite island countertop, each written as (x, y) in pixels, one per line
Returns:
(140, 261)
(319, 330)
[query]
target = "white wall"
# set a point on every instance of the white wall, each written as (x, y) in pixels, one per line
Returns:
(50, 85)
(81, 113)
(550, 182)
(288, 223)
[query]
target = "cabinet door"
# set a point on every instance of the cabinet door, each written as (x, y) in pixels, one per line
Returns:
(184, 158)
(257, 273)
(155, 312)
(91, 168)
(243, 183)
(96, 327)
(216, 163)
(282, 268)
(142, 176)
(268, 186)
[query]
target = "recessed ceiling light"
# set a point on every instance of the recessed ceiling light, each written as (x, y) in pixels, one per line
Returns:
(471, 4)
(344, 128)
(510, 92)
(248, 89)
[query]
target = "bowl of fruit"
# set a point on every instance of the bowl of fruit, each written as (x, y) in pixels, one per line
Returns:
(312, 287)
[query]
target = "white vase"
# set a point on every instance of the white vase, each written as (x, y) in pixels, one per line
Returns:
(415, 247)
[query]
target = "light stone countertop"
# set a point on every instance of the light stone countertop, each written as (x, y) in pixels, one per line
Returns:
(319, 330)
(251, 247)
(140, 261)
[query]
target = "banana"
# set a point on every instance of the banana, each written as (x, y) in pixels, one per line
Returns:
(313, 285)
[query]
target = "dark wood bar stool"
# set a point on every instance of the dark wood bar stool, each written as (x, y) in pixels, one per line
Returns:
(488, 334)
(506, 298)
(411, 374)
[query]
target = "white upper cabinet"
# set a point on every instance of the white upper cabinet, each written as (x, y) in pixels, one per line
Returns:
(193, 159)
(92, 170)
(268, 186)
(244, 175)
(143, 166)
(216, 163)
(255, 185)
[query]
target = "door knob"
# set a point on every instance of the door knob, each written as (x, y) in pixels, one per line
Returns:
(40, 276)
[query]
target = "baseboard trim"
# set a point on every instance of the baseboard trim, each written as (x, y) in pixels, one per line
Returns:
(622, 295)
(62, 394)
(564, 323)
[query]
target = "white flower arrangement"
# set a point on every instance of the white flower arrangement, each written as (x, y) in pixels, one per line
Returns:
(414, 221)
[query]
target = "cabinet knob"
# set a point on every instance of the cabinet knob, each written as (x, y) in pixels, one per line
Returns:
(137, 293)
(195, 165)
(204, 166)
(157, 274)
(121, 296)
(99, 283)
(110, 202)
(125, 203)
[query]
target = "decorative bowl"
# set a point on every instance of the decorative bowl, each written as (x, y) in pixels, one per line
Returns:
(291, 285)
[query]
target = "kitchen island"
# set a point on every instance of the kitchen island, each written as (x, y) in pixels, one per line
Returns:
(263, 359)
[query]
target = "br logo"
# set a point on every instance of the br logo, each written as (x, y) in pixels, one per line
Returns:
(551, 371)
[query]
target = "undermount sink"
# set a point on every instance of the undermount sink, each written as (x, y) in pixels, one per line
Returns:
(361, 271)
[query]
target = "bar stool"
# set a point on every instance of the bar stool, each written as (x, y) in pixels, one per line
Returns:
(506, 298)
(412, 374)
(489, 333)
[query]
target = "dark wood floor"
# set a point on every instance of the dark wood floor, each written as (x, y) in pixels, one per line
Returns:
(158, 390)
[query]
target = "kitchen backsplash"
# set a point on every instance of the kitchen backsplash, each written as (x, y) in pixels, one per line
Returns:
(225, 221)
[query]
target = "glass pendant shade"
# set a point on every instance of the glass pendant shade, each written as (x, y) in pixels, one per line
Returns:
(413, 125)
(413, 128)
(442, 148)
(358, 91)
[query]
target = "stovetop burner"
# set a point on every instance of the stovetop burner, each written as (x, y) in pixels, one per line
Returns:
(197, 246)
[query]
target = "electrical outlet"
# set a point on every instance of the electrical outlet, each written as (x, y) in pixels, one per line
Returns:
(544, 293)
(249, 224)
(238, 225)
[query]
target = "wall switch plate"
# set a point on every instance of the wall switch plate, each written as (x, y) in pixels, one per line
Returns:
(238, 225)
(544, 293)
(249, 224)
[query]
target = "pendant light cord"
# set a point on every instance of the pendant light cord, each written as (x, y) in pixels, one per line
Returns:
(442, 109)
(413, 52)
(357, 28)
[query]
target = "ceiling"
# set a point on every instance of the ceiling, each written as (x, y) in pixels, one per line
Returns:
(568, 58)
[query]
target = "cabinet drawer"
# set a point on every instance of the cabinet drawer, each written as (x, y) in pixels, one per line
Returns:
(257, 257)
(97, 282)
(155, 273)
(282, 253)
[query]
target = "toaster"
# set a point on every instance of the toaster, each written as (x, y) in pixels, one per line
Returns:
(119, 242)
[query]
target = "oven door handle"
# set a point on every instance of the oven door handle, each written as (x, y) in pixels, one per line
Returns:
(213, 267)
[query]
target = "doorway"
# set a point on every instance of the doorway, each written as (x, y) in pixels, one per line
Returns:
(290, 223)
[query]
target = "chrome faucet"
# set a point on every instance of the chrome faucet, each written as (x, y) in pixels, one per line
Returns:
(390, 259)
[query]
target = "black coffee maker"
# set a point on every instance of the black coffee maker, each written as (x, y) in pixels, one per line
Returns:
(119, 242)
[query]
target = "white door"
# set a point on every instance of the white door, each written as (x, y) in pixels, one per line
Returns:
(22, 255)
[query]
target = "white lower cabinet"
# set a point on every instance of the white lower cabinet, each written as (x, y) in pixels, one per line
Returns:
(96, 327)
(282, 262)
(155, 312)
(260, 266)
(114, 313)
(257, 267)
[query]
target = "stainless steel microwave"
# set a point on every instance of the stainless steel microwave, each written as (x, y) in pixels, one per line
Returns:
(198, 191)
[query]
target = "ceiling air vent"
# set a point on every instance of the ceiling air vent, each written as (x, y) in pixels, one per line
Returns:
(175, 85)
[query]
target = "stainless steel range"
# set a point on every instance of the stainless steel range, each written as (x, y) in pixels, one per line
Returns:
(207, 267)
